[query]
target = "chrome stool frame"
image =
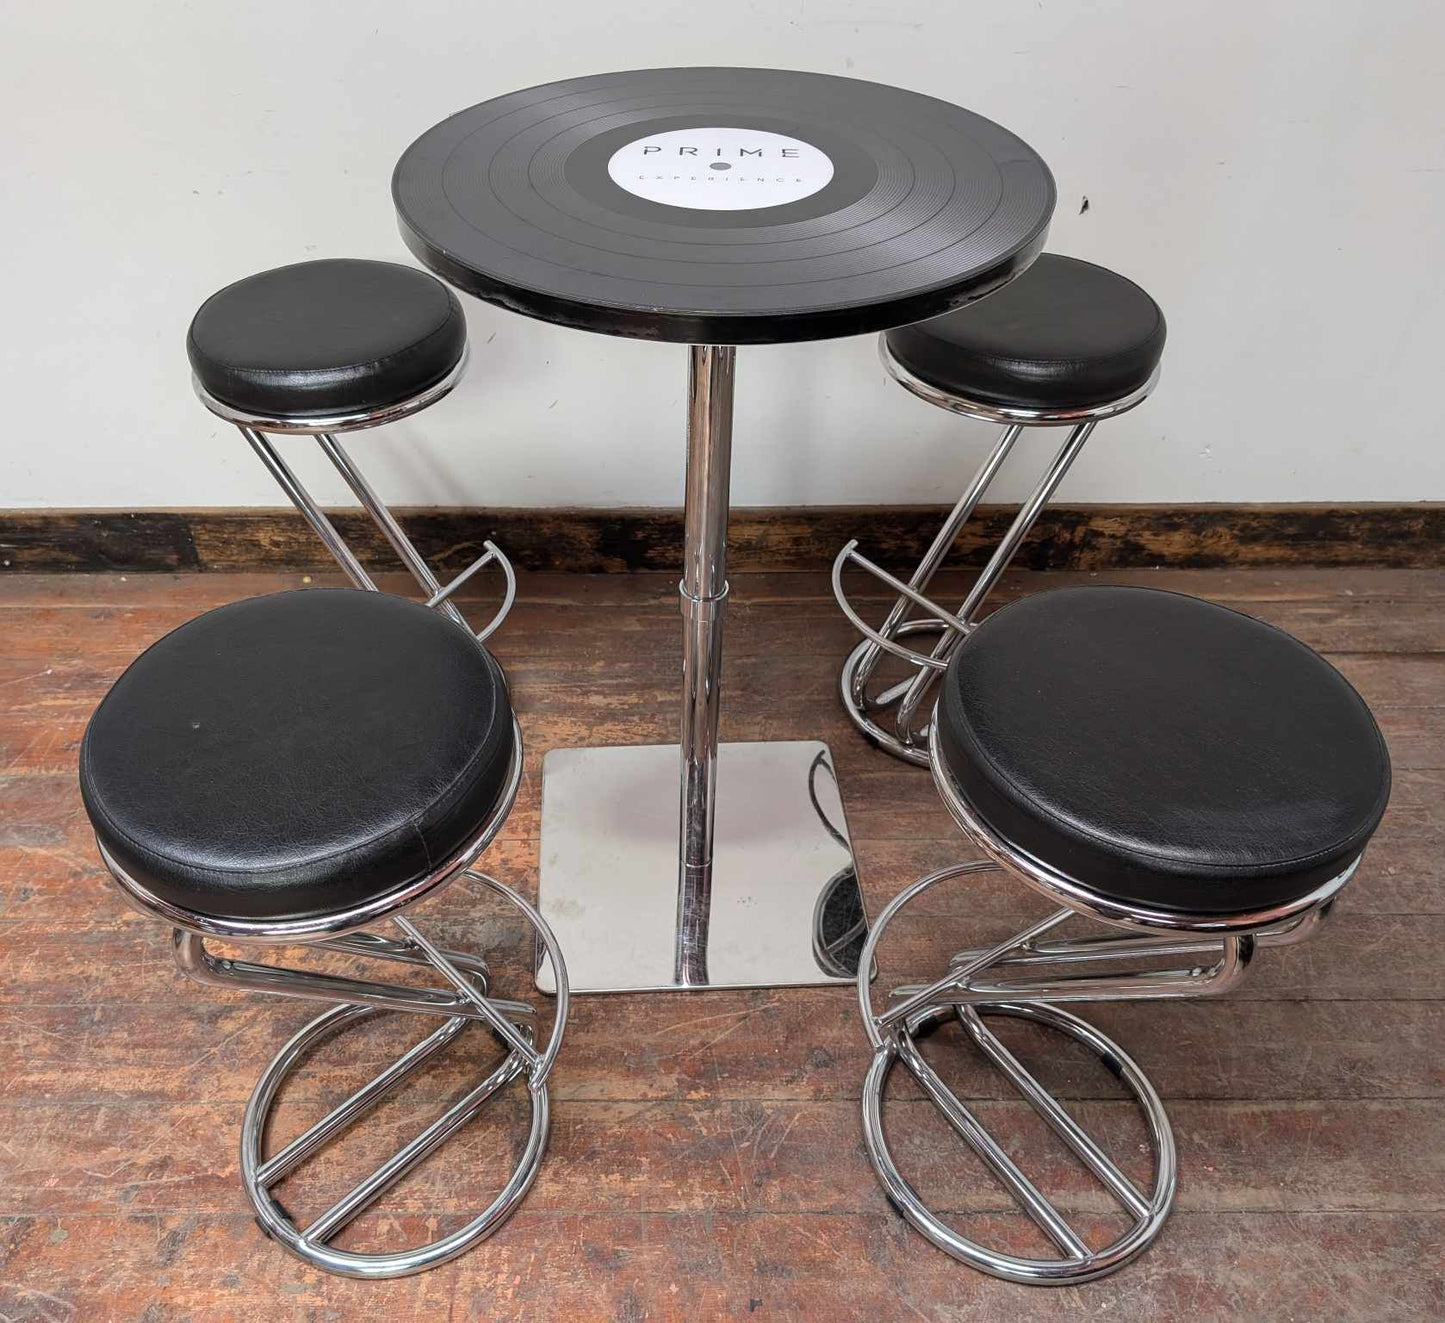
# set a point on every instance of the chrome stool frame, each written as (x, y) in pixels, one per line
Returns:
(906, 734)
(257, 430)
(463, 1002)
(1173, 955)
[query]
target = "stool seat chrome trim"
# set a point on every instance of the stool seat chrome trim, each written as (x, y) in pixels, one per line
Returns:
(352, 420)
(1008, 413)
(1078, 896)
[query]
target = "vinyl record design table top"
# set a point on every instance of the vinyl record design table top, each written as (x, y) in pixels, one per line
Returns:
(723, 206)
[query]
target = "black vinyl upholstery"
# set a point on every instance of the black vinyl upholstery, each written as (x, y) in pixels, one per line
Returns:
(330, 337)
(1064, 335)
(1164, 751)
(297, 755)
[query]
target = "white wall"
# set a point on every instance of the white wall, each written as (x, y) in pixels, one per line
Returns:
(1272, 172)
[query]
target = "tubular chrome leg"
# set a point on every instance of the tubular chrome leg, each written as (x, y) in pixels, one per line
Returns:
(384, 520)
(1232, 954)
(867, 660)
(313, 514)
(703, 590)
(1024, 520)
(1054, 971)
(918, 687)
(437, 595)
(507, 1021)
(903, 736)
(200, 965)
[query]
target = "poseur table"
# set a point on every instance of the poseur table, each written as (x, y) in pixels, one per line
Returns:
(714, 208)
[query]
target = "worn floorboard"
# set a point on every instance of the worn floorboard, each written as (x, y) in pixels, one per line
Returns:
(706, 1160)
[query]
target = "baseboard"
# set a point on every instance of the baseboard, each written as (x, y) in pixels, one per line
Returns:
(801, 538)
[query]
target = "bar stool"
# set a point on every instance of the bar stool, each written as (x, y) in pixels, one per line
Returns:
(332, 346)
(1066, 344)
(288, 770)
(1197, 781)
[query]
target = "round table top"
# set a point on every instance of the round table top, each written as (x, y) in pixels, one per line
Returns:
(723, 206)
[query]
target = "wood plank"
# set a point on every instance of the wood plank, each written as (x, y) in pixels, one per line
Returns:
(790, 1044)
(1348, 1267)
(777, 1156)
(1292, 594)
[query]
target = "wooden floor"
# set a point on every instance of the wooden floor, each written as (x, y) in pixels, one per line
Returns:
(706, 1159)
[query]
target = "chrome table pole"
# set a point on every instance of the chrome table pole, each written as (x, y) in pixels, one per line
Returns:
(698, 864)
(703, 590)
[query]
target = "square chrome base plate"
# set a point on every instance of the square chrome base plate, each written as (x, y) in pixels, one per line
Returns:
(786, 904)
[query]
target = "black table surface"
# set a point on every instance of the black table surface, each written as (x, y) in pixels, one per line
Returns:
(723, 206)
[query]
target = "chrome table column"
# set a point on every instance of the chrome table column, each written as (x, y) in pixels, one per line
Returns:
(703, 590)
(760, 892)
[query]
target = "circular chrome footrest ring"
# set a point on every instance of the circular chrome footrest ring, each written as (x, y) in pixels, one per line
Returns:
(277, 1223)
(877, 734)
(524, 1061)
(1066, 1270)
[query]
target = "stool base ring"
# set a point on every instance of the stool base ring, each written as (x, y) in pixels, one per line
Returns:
(886, 737)
(310, 1245)
(1083, 1264)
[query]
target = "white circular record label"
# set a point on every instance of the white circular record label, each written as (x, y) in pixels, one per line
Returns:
(720, 169)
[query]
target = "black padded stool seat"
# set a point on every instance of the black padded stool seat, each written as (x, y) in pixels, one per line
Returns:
(298, 754)
(1064, 335)
(331, 337)
(1164, 751)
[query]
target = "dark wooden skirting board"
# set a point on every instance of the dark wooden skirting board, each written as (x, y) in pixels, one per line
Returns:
(1081, 537)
